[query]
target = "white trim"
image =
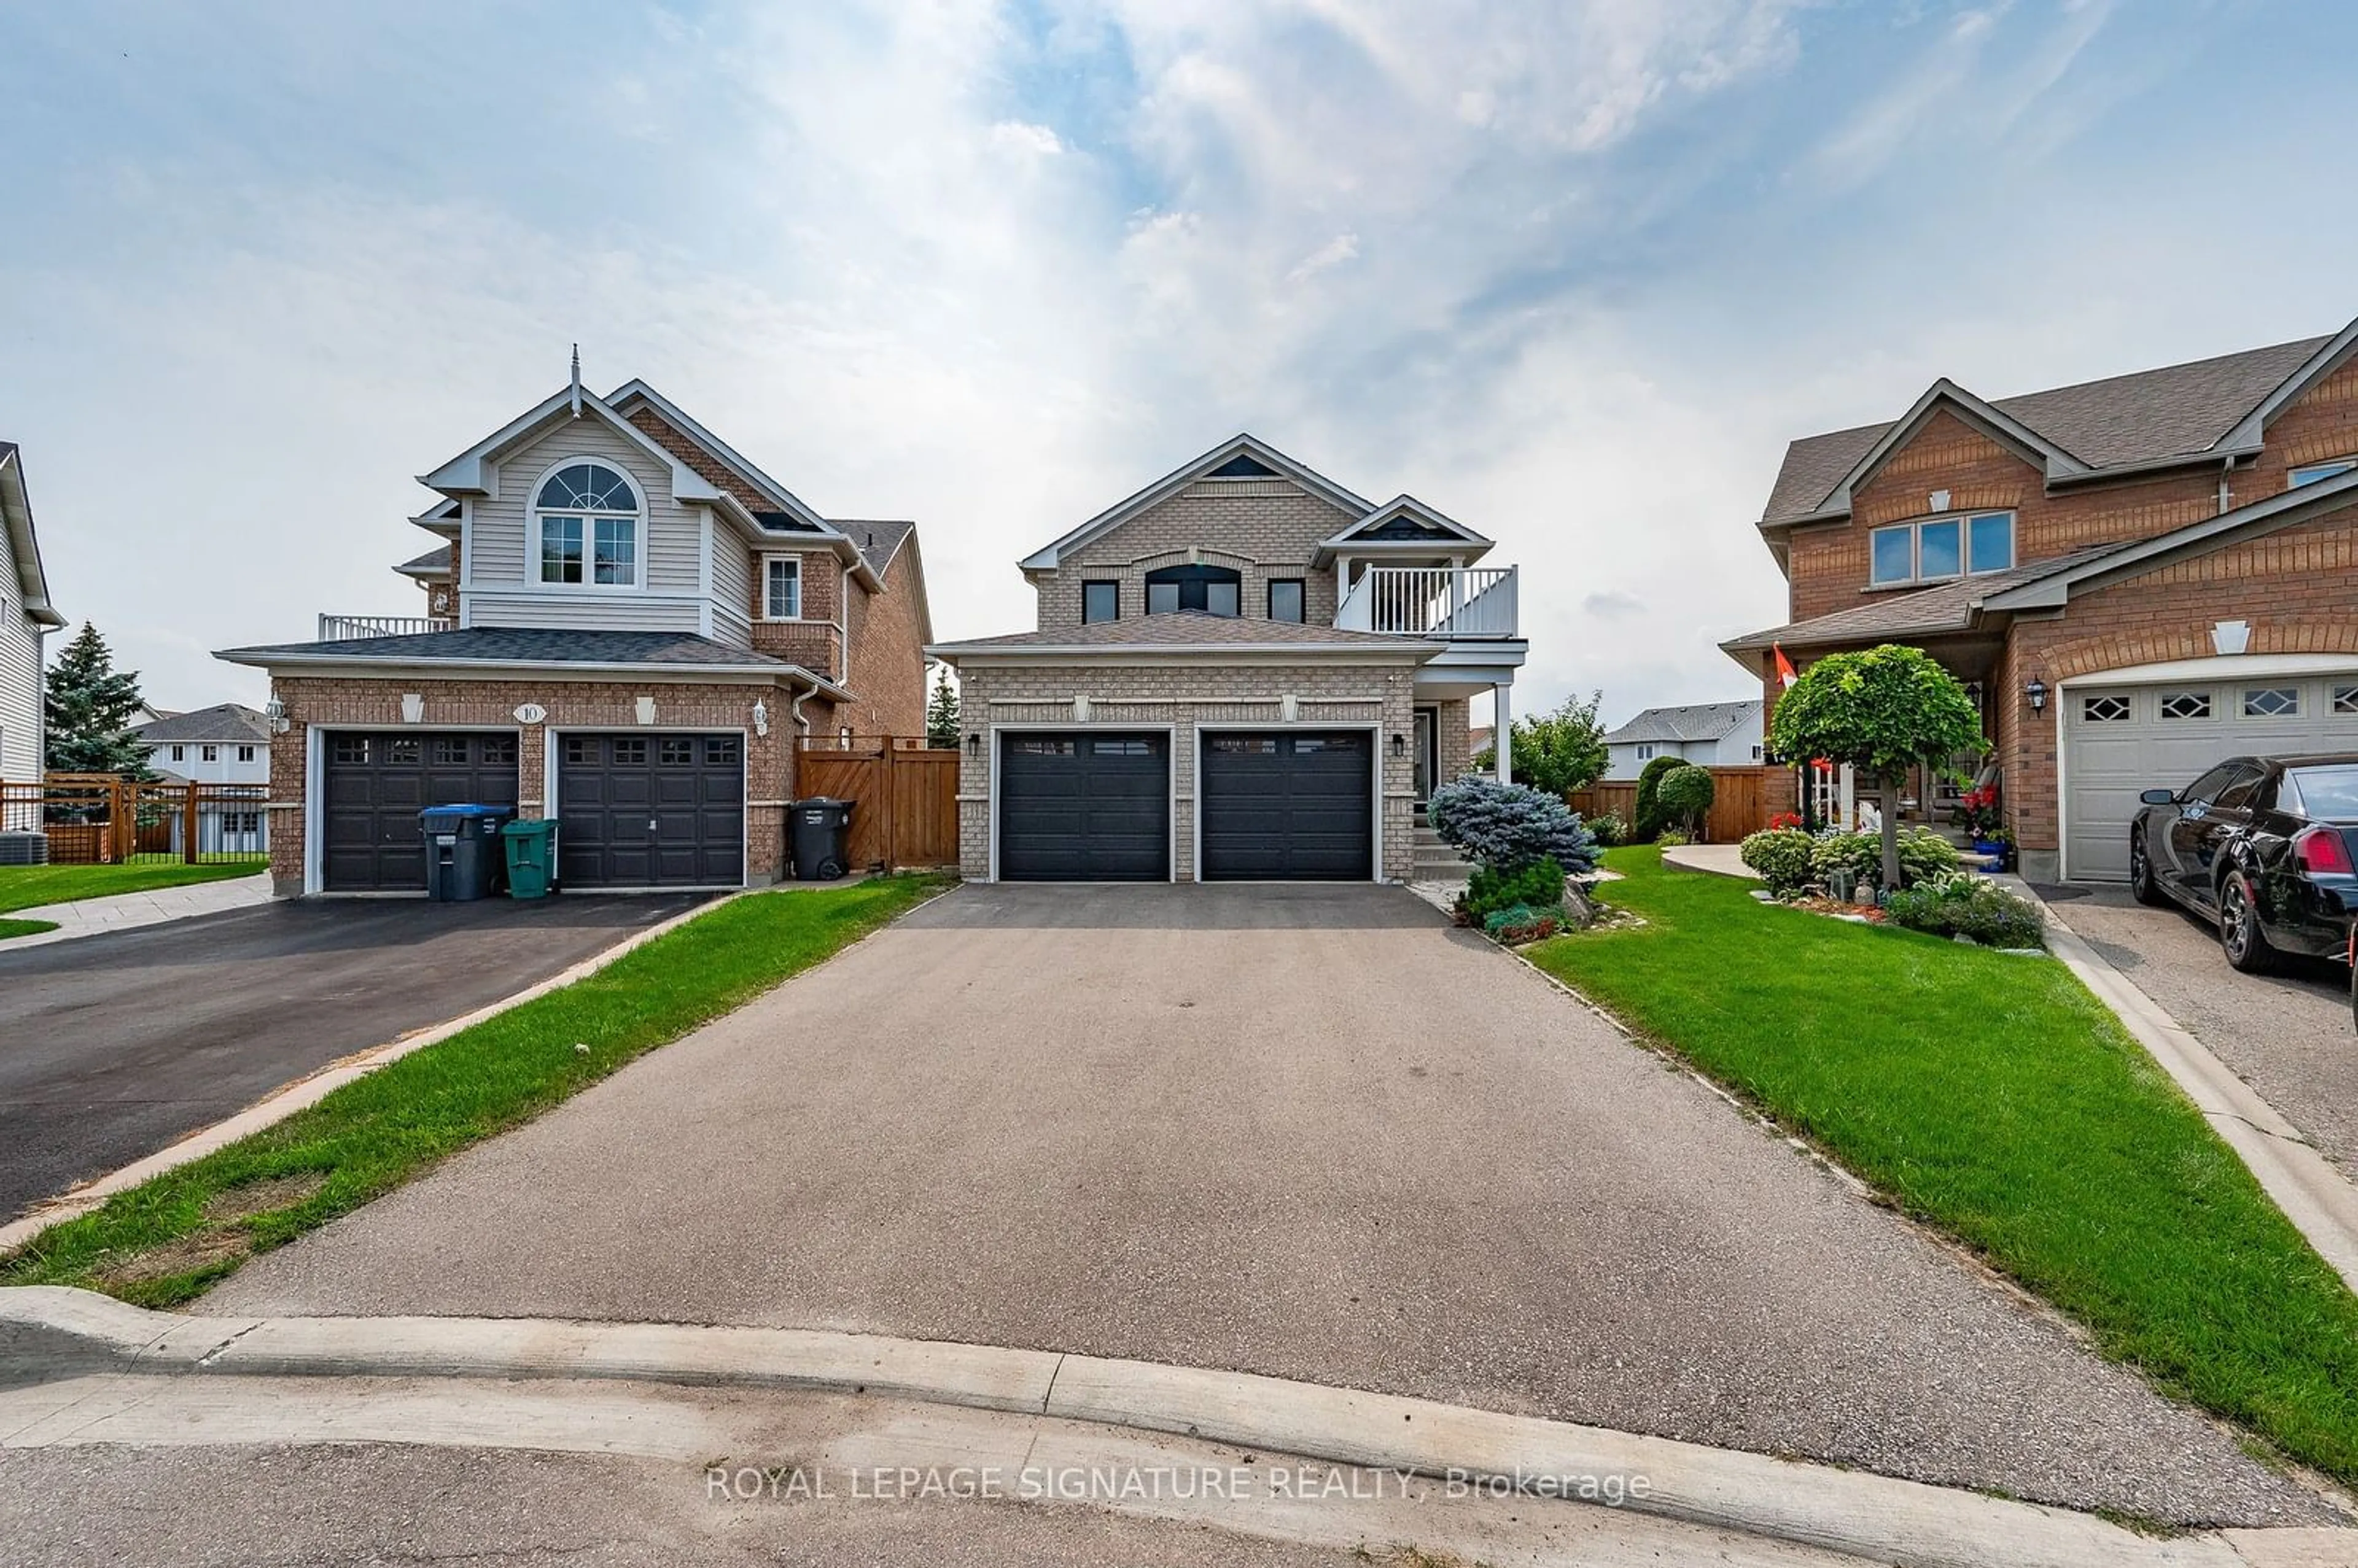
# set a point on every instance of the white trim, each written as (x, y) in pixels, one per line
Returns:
(1171, 786)
(762, 587)
(1375, 729)
(1240, 445)
(314, 792)
(1965, 568)
(536, 525)
(315, 805)
(550, 800)
(466, 474)
(2251, 430)
(787, 501)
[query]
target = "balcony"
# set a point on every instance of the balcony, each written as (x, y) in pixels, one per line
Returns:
(1442, 602)
(343, 628)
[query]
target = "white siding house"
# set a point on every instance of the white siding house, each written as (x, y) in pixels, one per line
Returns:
(1708, 734)
(25, 617)
(226, 744)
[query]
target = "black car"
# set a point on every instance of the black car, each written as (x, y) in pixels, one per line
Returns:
(2266, 846)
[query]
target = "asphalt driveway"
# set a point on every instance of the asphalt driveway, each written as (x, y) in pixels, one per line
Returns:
(2288, 1036)
(1305, 1131)
(113, 1046)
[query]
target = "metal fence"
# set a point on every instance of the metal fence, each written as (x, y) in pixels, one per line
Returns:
(101, 820)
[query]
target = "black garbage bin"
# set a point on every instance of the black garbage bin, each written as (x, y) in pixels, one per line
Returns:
(819, 828)
(464, 859)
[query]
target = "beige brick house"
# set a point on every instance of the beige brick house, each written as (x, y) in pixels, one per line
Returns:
(629, 627)
(2138, 578)
(1243, 671)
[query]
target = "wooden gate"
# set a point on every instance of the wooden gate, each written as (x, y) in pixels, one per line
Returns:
(905, 810)
(1738, 802)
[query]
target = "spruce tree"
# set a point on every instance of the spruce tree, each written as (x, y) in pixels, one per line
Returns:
(942, 713)
(90, 707)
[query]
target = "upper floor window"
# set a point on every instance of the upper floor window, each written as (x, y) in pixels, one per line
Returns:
(1101, 602)
(179, 754)
(588, 518)
(781, 588)
(208, 754)
(1645, 753)
(1940, 548)
(2309, 473)
(1217, 590)
(245, 753)
(1285, 598)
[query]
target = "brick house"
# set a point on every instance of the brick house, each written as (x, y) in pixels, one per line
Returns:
(1242, 672)
(2137, 576)
(629, 627)
(25, 618)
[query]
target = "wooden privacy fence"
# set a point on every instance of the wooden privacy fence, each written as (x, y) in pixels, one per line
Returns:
(1738, 802)
(904, 795)
(103, 819)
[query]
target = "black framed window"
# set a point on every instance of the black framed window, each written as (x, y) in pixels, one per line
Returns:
(1215, 591)
(1285, 600)
(1101, 602)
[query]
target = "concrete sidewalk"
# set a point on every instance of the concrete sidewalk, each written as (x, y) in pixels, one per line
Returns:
(129, 911)
(1719, 859)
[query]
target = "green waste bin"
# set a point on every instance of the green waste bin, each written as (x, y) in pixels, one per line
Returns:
(531, 857)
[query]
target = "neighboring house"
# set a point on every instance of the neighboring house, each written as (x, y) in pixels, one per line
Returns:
(229, 743)
(1708, 734)
(1478, 740)
(636, 627)
(1244, 671)
(2136, 578)
(25, 618)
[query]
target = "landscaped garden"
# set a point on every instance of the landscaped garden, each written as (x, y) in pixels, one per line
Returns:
(1992, 1097)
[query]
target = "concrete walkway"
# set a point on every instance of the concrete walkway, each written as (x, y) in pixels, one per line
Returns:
(129, 911)
(1720, 859)
(1304, 1131)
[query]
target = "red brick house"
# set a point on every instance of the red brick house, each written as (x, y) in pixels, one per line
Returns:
(2139, 576)
(629, 627)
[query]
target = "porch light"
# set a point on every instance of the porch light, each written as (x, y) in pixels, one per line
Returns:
(1400, 745)
(974, 744)
(761, 717)
(2036, 692)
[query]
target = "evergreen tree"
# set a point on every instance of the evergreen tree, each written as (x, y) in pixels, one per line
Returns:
(90, 707)
(942, 712)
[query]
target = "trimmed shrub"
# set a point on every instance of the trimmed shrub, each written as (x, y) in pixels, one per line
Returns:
(1963, 905)
(1923, 855)
(1508, 826)
(1670, 839)
(1520, 922)
(1783, 857)
(1539, 884)
(1609, 829)
(1683, 795)
(1649, 815)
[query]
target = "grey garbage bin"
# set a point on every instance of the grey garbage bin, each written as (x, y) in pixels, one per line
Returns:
(819, 828)
(464, 859)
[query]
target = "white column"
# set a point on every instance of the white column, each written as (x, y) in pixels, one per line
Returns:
(1502, 730)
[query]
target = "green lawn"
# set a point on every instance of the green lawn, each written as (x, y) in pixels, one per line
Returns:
(166, 1239)
(24, 927)
(1995, 1099)
(28, 887)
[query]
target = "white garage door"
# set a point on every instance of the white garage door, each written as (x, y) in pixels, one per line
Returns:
(2119, 742)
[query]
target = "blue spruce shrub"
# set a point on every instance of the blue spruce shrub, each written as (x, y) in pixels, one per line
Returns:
(1509, 826)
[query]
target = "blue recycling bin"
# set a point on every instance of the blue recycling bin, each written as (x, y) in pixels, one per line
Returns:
(463, 856)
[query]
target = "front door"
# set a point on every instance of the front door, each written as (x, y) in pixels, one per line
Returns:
(1428, 753)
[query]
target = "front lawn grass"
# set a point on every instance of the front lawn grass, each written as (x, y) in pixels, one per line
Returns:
(24, 927)
(1995, 1099)
(169, 1238)
(29, 887)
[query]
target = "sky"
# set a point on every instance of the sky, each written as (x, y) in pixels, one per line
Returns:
(1571, 271)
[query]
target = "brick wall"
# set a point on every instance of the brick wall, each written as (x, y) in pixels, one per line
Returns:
(348, 702)
(1262, 528)
(1454, 739)
(888, 659)
(1139, 695)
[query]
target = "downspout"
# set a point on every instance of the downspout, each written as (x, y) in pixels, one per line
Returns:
(2227, 493)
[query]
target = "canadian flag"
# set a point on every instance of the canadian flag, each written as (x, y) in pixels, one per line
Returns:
(1786, 674)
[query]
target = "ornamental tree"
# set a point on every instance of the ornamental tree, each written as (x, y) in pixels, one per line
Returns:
(1560, 750)
(1684, 795)
(1882, 711)
(942, 712)
(89, 707)
(1509, 826)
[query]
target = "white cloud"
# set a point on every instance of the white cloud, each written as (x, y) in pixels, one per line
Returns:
(1334, 252)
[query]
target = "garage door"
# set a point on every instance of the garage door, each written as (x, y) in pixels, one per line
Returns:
(1085, 807)
(640, 810)
(377, 782)
(1289, 807)
(2119, 742)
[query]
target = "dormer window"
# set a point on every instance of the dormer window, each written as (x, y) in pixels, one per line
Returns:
(1215, 591)
(1940, 549)
(588, 515)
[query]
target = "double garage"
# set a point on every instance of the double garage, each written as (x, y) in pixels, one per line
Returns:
(635, 809)
(1269, 806)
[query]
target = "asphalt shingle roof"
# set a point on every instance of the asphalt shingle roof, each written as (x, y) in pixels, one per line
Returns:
(878, 539)
(1186, 628)
(433, 563)
(2175, 411)
(1886, 615)
(1695, 722)
(224, 721)
(527, 645)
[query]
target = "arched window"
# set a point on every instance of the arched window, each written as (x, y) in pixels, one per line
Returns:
(588, 518)
(1215, 589)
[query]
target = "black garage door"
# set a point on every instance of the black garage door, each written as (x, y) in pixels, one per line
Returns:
(1289, 807)
(1085, 807)
(651, 811)
(378, 782)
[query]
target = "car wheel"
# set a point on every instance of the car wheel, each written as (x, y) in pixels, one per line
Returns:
(2142, 887)
(2239, 927)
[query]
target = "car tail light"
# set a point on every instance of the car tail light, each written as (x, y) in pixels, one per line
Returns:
(2321, 850)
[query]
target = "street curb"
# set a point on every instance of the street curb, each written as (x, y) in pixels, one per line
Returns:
(2313, 1194)
(51, 1333)
(308, 1091)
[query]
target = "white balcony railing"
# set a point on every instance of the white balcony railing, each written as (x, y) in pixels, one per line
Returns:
(342, 628)
(1432, 601)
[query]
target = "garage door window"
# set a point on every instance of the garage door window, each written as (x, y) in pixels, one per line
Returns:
(2105, 709)
(1024, 746)
(1246, 745)
(631, 753)
(405, 749)
(677, 752)
(2345, 700)
(2186, 704)
(720, 749)
(347, 749)
(2272, 702)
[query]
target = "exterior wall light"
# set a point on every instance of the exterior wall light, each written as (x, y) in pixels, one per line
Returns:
(1400, 745)
(974, 744)
(2036, 692)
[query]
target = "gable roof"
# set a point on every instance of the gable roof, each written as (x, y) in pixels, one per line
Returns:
(231, 722)
(465, 475)
(780, 499)
(1695, 721)
(2143, 419)
(16, 519)
(433, 563)
(1244, 444)
(1403, 521)
(1183, 631)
